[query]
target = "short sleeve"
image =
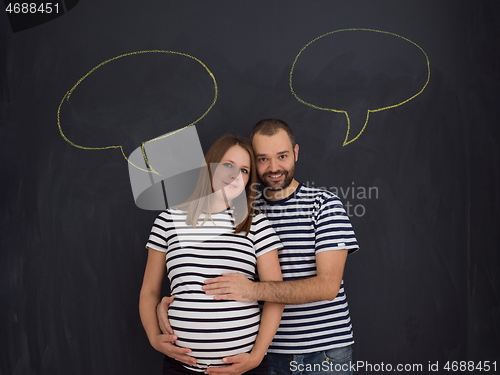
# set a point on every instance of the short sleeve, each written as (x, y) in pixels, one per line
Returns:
(332, 225)
(159, 232)
(264, 236)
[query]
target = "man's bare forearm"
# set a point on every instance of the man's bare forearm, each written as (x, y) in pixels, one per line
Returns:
(296, 291)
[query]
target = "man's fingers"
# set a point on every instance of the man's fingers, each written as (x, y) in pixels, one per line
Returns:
(224, 278)
(224, 297)
(213, 289)
(219, 293)
(214, 280)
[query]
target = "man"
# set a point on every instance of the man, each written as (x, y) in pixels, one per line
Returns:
(315, 334)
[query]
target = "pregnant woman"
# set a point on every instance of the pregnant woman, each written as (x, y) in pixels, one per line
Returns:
(215, 232)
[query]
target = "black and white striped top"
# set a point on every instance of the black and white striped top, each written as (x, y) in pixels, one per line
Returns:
(310, 221)
(211, 329)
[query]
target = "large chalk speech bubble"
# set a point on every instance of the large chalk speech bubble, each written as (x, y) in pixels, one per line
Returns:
(358, 72)
(131, 97)
(137, 98)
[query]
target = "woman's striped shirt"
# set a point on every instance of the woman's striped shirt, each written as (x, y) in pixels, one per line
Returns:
(212, 329)
(310, 221)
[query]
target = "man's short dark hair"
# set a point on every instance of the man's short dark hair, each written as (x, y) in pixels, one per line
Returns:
(270, 126)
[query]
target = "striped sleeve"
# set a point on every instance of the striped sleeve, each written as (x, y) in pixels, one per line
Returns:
(158, 238)
(332, 225)
(265, 238)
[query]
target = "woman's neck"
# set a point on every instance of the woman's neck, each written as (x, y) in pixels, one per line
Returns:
(218, 202)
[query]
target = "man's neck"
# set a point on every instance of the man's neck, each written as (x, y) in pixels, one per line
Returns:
(277, 195)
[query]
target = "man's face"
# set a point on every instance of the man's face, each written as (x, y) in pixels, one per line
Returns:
(276, 159)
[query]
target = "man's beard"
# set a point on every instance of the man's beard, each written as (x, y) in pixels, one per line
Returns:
(270, 185)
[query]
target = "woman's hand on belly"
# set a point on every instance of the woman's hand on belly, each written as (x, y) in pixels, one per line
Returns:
(162, 314)
(238, 364)
(165, 344)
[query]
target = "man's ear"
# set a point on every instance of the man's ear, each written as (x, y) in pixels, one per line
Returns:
(296, 152)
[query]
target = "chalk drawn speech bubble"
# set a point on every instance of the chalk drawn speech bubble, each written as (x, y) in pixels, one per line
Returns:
(358, 72)
(126, 95)
(132, 97)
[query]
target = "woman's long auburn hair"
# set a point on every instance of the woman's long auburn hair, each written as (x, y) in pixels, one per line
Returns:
(199, 202)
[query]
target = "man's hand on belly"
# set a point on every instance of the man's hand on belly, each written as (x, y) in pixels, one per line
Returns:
(231, 286)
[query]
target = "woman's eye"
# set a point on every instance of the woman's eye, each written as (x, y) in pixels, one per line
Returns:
(229, 165)
(244, 171)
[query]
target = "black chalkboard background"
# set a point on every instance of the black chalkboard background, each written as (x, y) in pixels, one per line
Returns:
(422, 181)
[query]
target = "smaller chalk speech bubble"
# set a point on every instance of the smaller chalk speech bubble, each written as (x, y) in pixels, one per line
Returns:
(358, 72)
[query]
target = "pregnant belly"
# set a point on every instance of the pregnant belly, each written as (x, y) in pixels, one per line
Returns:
(214, 329)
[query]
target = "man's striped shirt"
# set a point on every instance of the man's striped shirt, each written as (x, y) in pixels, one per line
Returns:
(308, 222)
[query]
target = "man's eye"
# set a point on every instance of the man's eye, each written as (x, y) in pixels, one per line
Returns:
(262, 160)
(282, 156)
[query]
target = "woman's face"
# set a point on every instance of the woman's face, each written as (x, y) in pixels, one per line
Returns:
(232, 172)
